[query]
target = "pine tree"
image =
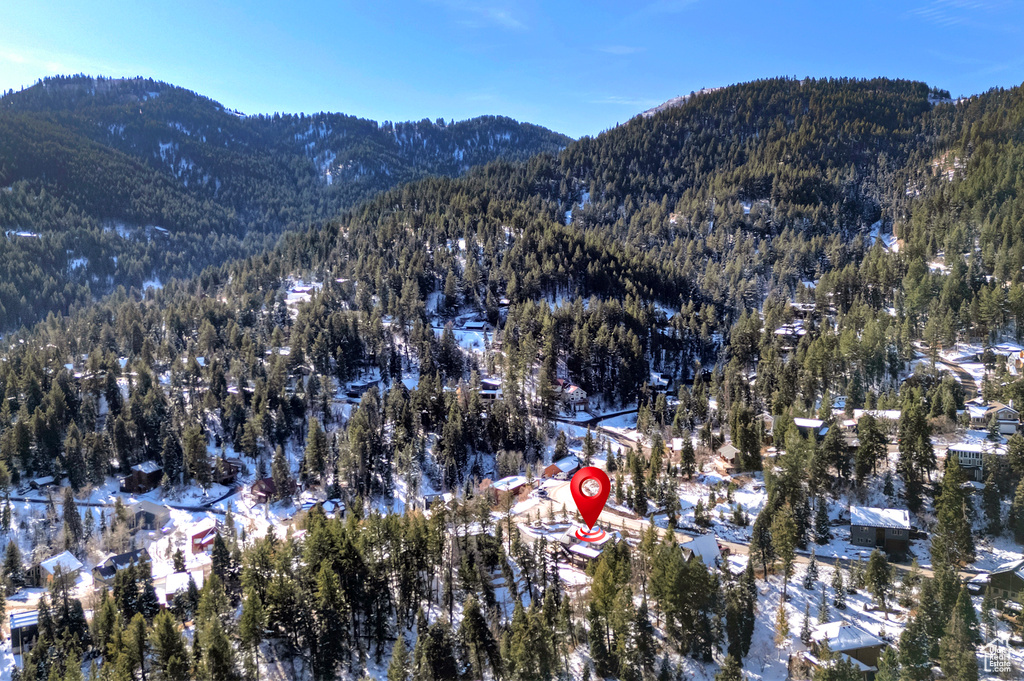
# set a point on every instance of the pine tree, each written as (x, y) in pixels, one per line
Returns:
(761, 545)
(72, 518)
(878, 578)
(1016, 519)
(838, 588)
(957, 648)
(589, 448)
(823, 613)
(730, 671)
(811, 574)
(822, 527)
(477, 640)
(170, 655)
(688, 457)
(197, 458)
(400, 666)
(952, 536)
(74, 461)
(805, 628)
(218, 660)
(988, 619)
(784, 541)
(914, 662)
(781, 625)
(991, 501)
(281, 472)
(316, 452)
(251, 626)
(888, 666)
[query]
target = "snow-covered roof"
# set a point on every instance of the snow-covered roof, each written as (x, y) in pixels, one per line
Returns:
(149, 507)
(808, 423)
(842, 636)
(1016, 567)
(20, 620)
(510, 483)
(879, 414)
(146, 467)
(65, 561)
(893, 518)
(178, 581)
(204, 525)
(677, 444)
(569, 463)
(704, 546)
(586, 551)
(967, 447)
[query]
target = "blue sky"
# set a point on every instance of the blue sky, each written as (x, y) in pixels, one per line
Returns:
(576, 67)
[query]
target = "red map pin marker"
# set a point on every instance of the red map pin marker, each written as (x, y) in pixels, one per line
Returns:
(590, 507)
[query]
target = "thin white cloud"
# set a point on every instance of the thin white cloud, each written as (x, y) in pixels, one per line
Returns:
(987, 15)
(482, 14)
(620, 49)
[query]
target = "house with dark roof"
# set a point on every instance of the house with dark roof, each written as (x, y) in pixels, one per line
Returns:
(142, 478)
(883, 528)
(105, 572)
(1007, 582)
(981, 413)
(146, 515)
(265, 490)
(226, 471)
(860, 647)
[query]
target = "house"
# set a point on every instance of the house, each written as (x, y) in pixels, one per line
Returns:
(142, 478)
(971, 457)
(506, 487)
(728, 458)
(105, 572)
(1007, 581)
(660, 382)
(1015, 362)
(860, 647)
(490, 390)
(24, 631)
(69, 566)
(883, 528)
(356, 390)
(704, 548)
(174, 583)
(580, 555)
(572, 397)
(146, 515)
(564, 467)
(981, 414)
(203, 534)
(43, 483)
(812, 427)
(431, 498)
(475, 325)
(265, 490)
(226, 471)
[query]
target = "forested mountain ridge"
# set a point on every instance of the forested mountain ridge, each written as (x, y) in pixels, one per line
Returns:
(763, 248)
(94, 169)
